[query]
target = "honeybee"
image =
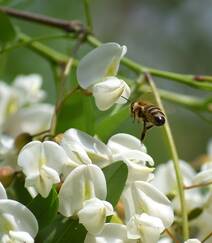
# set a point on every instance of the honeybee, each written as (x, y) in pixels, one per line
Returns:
(150, 114)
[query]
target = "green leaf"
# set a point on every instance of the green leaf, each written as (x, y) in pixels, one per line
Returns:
(45, 209)
(17, 190)
(116, 176)
(108, 125)
(77, 112)
(194, 213)
(63, 230)
(7, 32)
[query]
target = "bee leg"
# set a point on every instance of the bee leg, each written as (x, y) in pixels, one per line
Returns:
(144, 131)
(145, 128)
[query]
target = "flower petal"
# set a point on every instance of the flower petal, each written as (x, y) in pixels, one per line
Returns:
(94, 150)
(202, 177)
(20, 236)
(145, 227)
(55, 155)
(192, 241)
(93, 214)
(89, 181)
(100, 63)
(31, 119)
(122, 141)
(24, 219)
(150, 200)
(29, 157)
(111, 233)
(109, 91)
(3, 194)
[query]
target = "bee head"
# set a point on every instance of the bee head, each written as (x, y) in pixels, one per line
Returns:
(159, 120)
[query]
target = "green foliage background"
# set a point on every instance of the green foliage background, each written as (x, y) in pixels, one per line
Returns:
(169, 35)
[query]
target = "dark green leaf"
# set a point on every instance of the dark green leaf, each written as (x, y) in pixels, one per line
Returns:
(63, 230)
(116, 176)
(45, 209)
(17, 190)
(194, 213)
(78, 113)
(7, 32)
(108, 125)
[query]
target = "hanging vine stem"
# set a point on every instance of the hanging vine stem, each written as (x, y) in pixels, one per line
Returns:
(175, 159)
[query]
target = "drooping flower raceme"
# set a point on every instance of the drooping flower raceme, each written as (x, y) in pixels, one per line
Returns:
(17, 223)
(96, 72)
(83, 193)
(42, 163)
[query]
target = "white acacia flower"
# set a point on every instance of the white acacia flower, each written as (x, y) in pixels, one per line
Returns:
(109, 91)
(192, 241)
(130, 150)
(83, 183)
(31, 119)
(96, 72)
(87, 149)
(83, 194)
(93, 214)
(111, 233)
(165, 181)
(148, 199)
(145, 227)
(42, 164)
(28, 88)
(17, 223)
(8, 153)
(8, 102)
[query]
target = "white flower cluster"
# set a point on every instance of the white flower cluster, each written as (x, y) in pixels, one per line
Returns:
(196, 198)
(22, 111)
(78, 160)
(17, 223)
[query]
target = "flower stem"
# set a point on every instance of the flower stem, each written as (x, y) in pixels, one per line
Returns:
(198, 185)
(88, 15)
(175, 159)
(207, 237)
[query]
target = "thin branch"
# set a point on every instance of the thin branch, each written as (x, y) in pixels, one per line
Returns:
(68, 26)
(43, 50)
(175, 159)
(196, 81)
(207, 237)
(169, 233)
(190, 80)
(188, 101)
(198, 185)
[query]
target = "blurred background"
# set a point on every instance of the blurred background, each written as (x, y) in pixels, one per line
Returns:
(172, 35)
